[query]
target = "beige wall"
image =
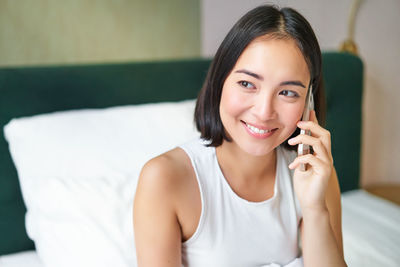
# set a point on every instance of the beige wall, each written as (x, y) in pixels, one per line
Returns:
(378, 36)
(75, 31)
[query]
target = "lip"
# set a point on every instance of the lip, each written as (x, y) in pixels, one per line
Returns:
(259, 135)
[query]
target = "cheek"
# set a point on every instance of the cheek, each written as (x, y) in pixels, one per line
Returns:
(293, 114)
(232, 102)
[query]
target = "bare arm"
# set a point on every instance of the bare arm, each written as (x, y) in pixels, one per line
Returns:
(333, 203)
(321, 233)
(157, 230)
(318, 191)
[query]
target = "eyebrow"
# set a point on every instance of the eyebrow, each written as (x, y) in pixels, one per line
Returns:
(261, 78)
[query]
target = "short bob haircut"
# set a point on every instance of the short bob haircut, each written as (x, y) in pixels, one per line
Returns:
(273, 23)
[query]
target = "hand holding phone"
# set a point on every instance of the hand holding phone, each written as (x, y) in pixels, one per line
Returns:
(304, 149)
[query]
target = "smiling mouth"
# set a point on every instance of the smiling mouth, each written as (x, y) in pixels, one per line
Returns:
(257, 130)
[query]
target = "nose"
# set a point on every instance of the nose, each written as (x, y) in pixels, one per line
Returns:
(264, 108)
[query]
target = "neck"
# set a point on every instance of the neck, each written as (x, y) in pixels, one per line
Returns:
(245, 168)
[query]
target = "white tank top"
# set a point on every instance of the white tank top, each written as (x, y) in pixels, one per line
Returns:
(235, 232)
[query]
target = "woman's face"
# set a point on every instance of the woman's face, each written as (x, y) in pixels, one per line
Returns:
(264, 95)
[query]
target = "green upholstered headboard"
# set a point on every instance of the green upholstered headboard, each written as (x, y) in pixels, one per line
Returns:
(27, 91)
(343, 76)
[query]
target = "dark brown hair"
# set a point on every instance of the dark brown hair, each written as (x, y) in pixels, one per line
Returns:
(285, 23)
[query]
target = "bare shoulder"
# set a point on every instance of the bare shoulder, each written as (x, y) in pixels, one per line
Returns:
(165, 179)
(167, 170)
(157, 230)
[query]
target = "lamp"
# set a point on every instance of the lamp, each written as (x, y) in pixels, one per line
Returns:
(348, 44)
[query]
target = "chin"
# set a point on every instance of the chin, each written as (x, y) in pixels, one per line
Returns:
(257, 150)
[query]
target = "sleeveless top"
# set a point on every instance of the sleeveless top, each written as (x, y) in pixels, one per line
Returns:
(235, 232)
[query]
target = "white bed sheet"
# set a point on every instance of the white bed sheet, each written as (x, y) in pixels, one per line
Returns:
(371, 230)
(371, 234)
(21, 259)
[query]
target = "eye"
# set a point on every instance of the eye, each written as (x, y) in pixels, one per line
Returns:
(247, 85)
(289, 93)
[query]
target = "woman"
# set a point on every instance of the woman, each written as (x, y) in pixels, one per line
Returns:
(237, 196)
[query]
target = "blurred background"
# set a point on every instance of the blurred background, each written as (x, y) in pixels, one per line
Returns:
(51, 32)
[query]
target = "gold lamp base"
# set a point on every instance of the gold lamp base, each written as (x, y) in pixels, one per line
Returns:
(349, 46)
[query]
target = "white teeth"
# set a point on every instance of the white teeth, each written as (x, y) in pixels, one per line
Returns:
(256, 130)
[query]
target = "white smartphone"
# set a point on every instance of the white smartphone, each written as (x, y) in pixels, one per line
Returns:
(304, 149)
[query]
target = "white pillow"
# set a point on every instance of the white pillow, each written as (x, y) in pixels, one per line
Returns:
(78, 172)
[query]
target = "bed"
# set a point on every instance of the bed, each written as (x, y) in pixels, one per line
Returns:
(376, 243)
(75, 137)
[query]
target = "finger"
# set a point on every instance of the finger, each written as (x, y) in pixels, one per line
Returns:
(317, 144)
(318, 165)
(316, 129)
